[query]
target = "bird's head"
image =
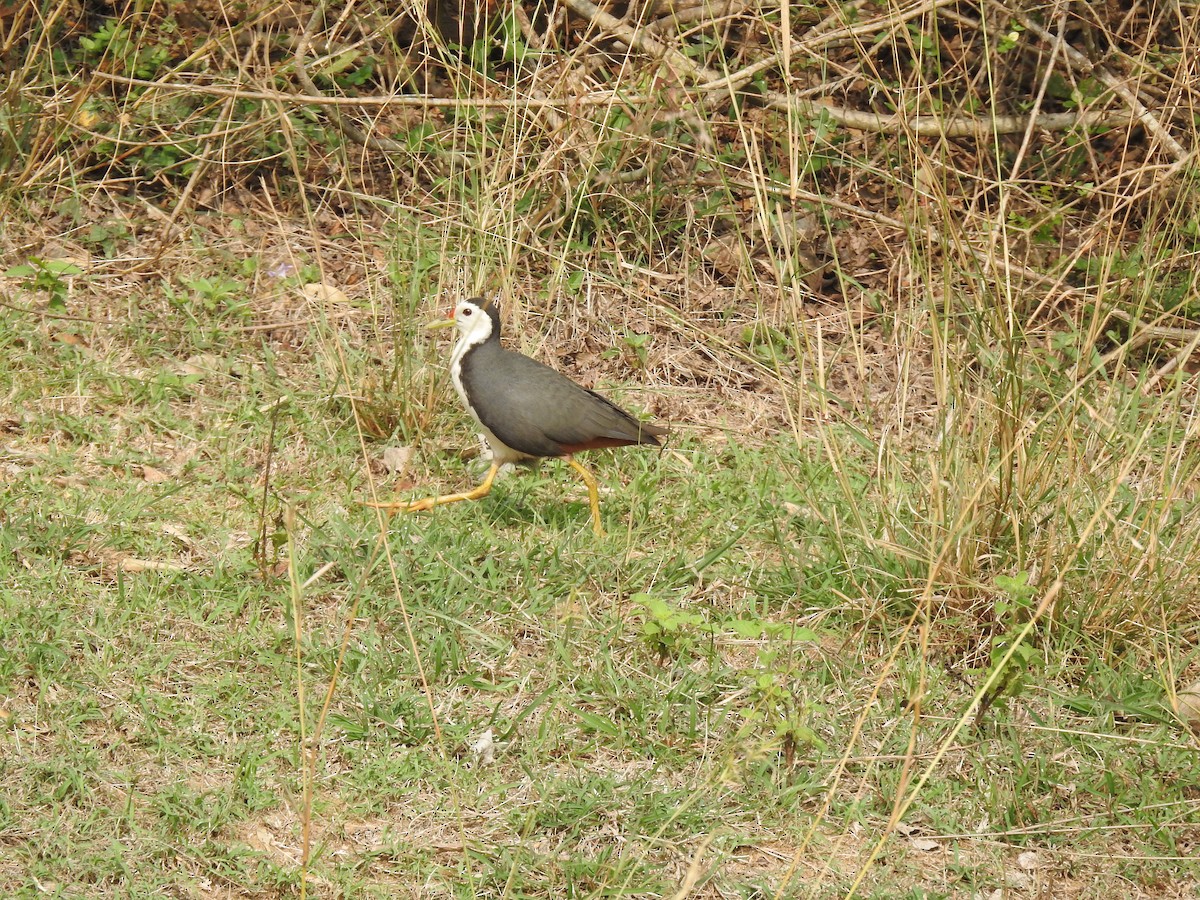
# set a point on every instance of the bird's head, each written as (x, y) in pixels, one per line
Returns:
(476, 319)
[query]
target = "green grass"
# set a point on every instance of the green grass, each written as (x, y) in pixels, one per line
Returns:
(716, 671)
(899, 611)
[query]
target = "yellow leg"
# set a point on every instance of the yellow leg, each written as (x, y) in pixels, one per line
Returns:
(430, 502)
(593, 494)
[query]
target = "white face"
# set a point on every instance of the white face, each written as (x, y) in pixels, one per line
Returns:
(472, 323)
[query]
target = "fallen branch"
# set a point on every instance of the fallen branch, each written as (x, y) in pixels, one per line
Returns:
(927, 125)
(954, 126)
(1114, 84)
(344, 125)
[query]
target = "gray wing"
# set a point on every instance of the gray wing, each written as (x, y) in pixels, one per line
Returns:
(539, 411)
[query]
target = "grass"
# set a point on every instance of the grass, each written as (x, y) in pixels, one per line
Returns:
(713, 681)
(900, 611)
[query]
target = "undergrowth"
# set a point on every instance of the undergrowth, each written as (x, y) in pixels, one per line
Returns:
(906, 606)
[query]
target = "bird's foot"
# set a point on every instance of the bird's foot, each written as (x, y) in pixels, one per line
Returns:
(395, 506)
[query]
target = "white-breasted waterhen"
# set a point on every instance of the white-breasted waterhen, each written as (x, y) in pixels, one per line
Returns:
(526, 410)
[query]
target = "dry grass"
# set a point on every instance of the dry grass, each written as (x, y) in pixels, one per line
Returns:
(895, 299)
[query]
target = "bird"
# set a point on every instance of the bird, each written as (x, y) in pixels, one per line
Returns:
(526, 410)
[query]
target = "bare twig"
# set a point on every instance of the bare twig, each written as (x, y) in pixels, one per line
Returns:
(340, 122)
(1116, 85)
(596, 98)
(954, 126)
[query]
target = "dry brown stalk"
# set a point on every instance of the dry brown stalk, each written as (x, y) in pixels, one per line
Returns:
(1116, 85)
(941, 126)
(692, 77)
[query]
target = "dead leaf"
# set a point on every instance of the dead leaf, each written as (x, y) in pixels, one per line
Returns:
(69, 338)
(178, 533)
(202, 364)
(925, 844)
(133, 564)
(325, 293)
(151, 475)
(396, 459)
(260, 839)
(1187, 705)
(725, 254)
(483, 749)
(1018, 881)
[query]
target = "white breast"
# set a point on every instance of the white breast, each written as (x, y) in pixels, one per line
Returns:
(501, 452)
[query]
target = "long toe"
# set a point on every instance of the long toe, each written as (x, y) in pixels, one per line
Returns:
(395, 506)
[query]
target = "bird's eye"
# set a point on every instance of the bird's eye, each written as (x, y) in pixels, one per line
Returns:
(466, 311)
